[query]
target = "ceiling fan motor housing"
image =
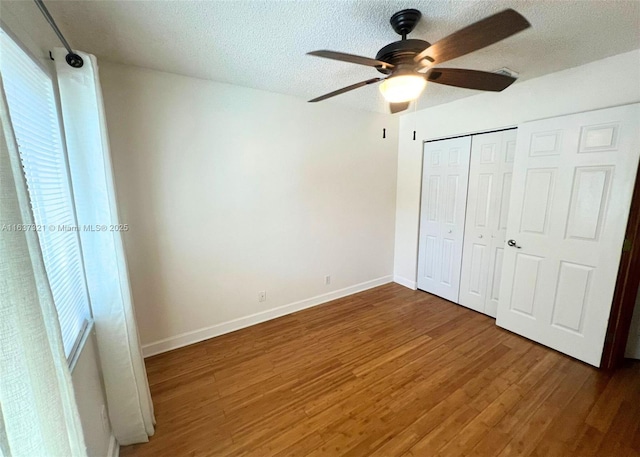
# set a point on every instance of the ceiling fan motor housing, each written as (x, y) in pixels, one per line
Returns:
(400, 53)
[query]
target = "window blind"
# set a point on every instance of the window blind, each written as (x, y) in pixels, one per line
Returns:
(34, 116)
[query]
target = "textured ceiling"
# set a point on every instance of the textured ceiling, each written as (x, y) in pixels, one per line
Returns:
(262, 44)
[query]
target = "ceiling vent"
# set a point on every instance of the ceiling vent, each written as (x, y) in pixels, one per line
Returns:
(507, 72)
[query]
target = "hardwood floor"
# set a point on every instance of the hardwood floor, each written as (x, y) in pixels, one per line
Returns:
(386, 372)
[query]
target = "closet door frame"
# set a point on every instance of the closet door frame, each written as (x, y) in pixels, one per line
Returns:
(420, 203)
(628, 281)
(626, 291)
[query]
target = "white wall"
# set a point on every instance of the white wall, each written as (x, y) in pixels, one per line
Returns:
(27, 24)
(604, 83)
(230, 191)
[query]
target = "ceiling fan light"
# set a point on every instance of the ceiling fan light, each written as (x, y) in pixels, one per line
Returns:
(402, 88)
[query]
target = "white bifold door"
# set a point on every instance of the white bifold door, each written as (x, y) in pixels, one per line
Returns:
(573, 179)
(490, 172)
(445, 173)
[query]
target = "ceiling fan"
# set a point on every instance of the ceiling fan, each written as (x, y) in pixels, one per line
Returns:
(409, 63)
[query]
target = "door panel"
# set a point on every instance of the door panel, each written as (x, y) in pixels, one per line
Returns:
(504, 201)
(444, 191)
(590, 189)
(526, 283)
(495, 270)
(487, 207)
(538, 192)
(571, 295)
(483, 200)
(573, 179)
(476, 272)
(446, 274)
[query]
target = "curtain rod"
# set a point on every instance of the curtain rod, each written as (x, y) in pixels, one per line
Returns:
(72, 58)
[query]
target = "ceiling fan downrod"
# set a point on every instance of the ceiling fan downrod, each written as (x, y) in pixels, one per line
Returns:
(404, 21)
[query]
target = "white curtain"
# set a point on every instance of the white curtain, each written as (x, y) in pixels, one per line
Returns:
(38, 412)
(127, 389)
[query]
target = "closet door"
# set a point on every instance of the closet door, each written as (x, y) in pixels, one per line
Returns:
(445, 174)
(573, 178)
(487, 207)
(501, 214)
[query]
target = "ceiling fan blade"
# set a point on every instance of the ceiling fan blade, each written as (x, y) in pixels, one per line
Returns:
(397, 107)
(351, 58)
(345, 89)
(473, 37)
(470, 79)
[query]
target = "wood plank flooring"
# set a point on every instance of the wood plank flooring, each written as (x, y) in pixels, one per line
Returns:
(386, 372)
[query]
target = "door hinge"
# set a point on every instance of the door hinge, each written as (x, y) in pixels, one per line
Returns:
(626, 245)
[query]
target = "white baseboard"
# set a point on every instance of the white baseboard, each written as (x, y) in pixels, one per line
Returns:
(405, 282)
(114, 448)
(196, 336)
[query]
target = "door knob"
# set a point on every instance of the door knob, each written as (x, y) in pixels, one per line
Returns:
(513, 244)
(449, 230)
(479, 236)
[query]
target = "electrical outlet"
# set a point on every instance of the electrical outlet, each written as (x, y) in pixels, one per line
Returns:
(262, 296)
(105, 419)
(327, 280)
